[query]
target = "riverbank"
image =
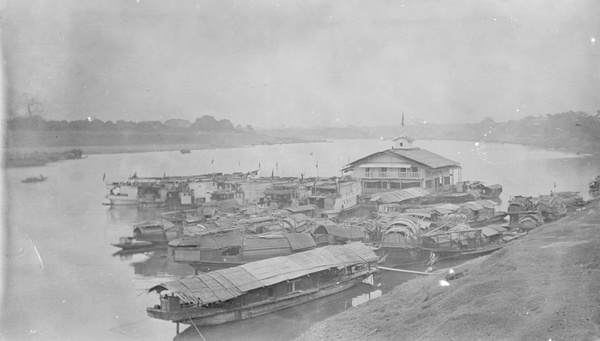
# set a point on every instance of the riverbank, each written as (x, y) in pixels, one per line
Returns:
(114, 143)
(545, 286)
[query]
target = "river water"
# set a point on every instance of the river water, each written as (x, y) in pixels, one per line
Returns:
(62, 281)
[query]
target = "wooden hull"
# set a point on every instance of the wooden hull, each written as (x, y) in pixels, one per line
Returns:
(133, 246)
(34, 180)
(122, 200)
(207, 317)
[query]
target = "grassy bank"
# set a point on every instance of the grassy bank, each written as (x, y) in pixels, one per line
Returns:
(545, 286)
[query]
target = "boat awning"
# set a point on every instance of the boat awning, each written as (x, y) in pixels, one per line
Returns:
(225, 284)
(385, 165)
(342, 232)
(492, 230)
(446, 209)
(300, 241)
(478, 205)
(401, 195)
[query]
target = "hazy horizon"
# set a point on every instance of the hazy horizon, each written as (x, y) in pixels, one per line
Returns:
(272, 64)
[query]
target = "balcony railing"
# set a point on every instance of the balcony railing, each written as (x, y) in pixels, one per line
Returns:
(393, 175)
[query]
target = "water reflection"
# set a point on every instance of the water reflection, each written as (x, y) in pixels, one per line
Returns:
(131, 215)
(158, 263)
(286, 324)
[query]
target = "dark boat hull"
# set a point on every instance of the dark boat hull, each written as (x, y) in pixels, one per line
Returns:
(207, 317)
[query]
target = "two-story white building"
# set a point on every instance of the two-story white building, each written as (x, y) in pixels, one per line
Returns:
(404, 166)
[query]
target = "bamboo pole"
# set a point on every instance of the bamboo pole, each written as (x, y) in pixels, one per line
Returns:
(402, 270)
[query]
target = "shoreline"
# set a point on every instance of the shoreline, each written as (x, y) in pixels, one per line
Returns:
(145, 148)
(543, 286)
(92, 150)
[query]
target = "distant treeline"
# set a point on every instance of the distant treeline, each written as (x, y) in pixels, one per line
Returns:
(32, 132)
(205, 123)
(574, 131)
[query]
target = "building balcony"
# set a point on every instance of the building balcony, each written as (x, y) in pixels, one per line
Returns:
(393, 175)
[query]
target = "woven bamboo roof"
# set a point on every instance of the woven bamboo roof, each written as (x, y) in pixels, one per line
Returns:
(225, 284)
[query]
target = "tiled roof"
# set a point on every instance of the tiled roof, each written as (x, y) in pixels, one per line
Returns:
(424, 157)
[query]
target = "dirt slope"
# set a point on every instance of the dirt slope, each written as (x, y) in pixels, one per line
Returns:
(545, 286)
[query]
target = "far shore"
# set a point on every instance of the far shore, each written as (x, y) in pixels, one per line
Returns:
(144, 148)
(90, 150)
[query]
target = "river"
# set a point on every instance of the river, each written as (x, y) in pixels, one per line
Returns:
(63, 282)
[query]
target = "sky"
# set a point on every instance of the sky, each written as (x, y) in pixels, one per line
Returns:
(302, 63)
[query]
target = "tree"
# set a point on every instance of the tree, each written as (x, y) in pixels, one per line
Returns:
(31, 105)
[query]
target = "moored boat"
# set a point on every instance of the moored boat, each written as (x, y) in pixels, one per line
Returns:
(129, 243)
(233, 248)
(463, 241)
(335, 197)
(263, 287)
(32, 179)
(594, 187)
(486, 192)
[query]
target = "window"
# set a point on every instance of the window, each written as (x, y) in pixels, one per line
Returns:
(293, 285)
(395, 185)
(372, 185)
(367, 172)
(414, 169)
(270, 292)
(427, 183)
(447, 180)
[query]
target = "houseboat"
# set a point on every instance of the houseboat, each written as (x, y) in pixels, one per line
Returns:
(549, 207)
(400, 240)
(284, 194)
(332, 234)
(481, 212)
(234, 248)
(263, 287)
(334, 197)
(485, 192)
(158, 191)
(463, 241)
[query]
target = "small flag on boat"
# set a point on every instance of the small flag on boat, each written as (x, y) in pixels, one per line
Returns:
(212, 161)
(104, 177)
(402, 120)
(259, 165)
(317, 165)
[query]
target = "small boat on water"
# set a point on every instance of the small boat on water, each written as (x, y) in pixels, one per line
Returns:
(486, 192)
(185, 151)
(129, 243)
(263, 287)
(32, 179)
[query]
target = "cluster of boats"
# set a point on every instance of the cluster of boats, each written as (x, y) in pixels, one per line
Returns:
(289, 243)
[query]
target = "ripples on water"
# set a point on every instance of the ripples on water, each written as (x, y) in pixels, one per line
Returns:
(63, 281)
